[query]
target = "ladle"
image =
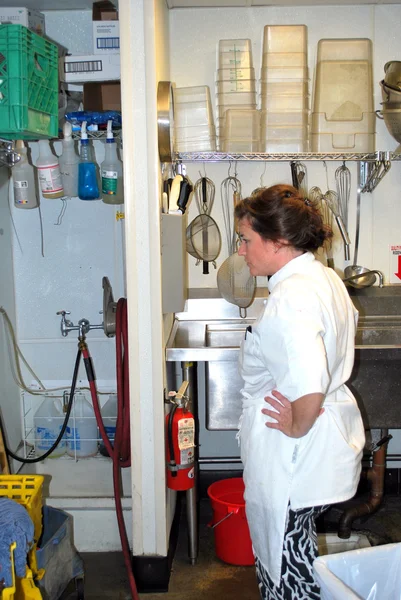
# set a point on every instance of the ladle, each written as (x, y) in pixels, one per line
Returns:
(352, 270)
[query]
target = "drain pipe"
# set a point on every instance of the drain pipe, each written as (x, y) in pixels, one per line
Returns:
(375, 475)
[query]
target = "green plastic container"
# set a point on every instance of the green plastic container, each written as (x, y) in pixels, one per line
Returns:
(28, 85)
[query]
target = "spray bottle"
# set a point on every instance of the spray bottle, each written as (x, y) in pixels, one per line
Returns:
(24, 181)
(88, 187)
(112, 172)
(69, 161)
(49, 172)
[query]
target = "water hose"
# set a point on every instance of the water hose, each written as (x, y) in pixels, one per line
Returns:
(65, 423)
(121, 452)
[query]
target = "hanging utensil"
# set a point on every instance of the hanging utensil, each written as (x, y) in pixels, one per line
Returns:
(234, 280)
(299, 177)
(317, 197)
(352, 270)
(343, 184)
(203, 238)
(331, 200)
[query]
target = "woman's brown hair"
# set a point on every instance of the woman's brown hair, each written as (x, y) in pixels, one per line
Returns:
(281, 213)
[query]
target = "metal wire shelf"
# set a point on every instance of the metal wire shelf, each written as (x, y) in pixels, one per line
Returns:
(98, 135)
(304, 156)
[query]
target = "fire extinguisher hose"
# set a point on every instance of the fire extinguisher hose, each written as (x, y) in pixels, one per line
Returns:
(121, 452)
(172, 461)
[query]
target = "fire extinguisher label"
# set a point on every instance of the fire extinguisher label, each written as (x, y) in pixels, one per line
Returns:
(186, 433)
(187, 456)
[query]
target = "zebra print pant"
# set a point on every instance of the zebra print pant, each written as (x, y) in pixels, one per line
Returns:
(299, 551)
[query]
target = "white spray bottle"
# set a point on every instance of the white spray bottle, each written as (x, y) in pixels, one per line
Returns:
(112, 172)
(69, 161)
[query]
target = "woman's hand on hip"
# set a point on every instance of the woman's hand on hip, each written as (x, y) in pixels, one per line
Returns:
(296, 418)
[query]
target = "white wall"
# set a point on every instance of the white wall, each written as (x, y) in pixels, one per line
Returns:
(194, 37)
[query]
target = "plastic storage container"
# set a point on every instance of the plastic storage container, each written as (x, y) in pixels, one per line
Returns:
(26, 490)
(48, 421)
(82, 434)
(360, 574)
(28, 84)
(343, 87)
(285, 38)
(56, 553)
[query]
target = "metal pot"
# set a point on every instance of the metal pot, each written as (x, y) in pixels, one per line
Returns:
(392, 77)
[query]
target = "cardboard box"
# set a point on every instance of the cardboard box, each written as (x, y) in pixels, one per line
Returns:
(104, 11)
(33, 19)
(106, 37)
(102, 96)
(90, 67)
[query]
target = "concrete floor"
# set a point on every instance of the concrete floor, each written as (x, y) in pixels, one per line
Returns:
(211, 579)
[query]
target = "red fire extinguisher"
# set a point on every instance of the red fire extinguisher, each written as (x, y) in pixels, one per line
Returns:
(180, 445)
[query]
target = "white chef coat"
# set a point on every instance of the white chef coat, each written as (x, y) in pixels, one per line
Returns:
(302, 343)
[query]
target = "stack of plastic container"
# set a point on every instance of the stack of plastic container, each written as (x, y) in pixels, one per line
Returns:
(193, 120)
(284, 95)
(236, 97)
(343, 118)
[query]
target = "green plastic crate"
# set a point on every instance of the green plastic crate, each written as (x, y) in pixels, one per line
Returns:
(28, 85)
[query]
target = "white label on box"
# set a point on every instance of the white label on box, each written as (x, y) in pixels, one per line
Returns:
(33, 19)
(90, 67)
(106, 36)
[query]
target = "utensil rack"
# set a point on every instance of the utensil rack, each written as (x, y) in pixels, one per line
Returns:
(374, 165)
(8, 156)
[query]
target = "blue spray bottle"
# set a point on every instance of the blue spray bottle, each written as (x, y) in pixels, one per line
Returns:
(88, 186)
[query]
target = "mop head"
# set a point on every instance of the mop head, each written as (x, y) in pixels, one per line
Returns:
(15, 526)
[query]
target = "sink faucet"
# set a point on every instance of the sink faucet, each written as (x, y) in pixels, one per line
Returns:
(360, 275)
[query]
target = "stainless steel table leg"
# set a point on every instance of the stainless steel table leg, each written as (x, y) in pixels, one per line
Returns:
(192, 520)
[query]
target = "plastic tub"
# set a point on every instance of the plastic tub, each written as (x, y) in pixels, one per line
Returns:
(284, 59)
(321, 124)
(236, 85)
(193, 113)
(268, 74)
(231, 532)
(242, 123)
(198, 93)
(284, 118)
(279, 103)
(343, 142)
(232, 74)
(197, 132)
(235, 45)
(239, 145)
(279, 146)
(230, 98)
(343, 89)
(344, 49)
(360, 574)
(223, 108)
(196, 146)
(285, 38)
(284, 132)
(235, 59)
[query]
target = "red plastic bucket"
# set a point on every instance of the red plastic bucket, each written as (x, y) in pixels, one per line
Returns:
(231, 532)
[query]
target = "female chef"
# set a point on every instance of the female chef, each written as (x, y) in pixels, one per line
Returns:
(301, 431)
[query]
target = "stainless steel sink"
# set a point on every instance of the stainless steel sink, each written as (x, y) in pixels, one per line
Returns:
(375, 379)
(226, 335)
(379, 331)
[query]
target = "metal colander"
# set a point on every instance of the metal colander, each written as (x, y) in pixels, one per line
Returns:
(235, 282)
(203, 239)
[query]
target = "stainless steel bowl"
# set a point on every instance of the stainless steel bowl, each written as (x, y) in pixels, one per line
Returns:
(392, 119)
(361, 280)
(390, 94)
(392, 77)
